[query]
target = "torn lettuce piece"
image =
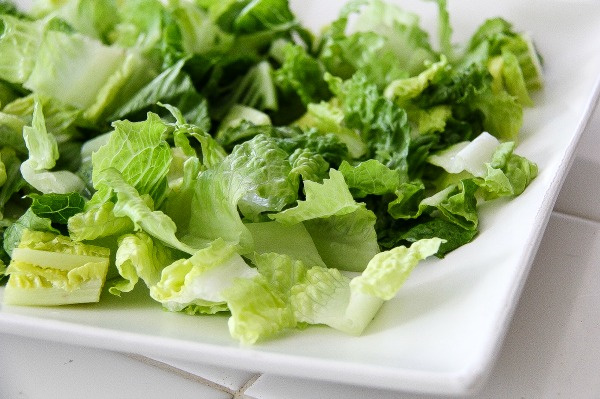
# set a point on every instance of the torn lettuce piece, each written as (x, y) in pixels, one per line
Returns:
(197, 30)
(402, 90)
(255, 178)
(345, 242)
(291, 240)
(139, 256)
(287, 293)
(27, 221)
(257, 311)
(378, 39)
(80, 65)
(349, 304)
(92, 18)
(20, 40)
(457, 203)
(388, 270)
(172, 86)
(382, 124)
(467, 156)
(508, 174)
(236, 115)
(342, 229)
(261, 306)
(49, 269)
(332, 197)
(134, 206)
(196, 284)
(500, 171)
(370, 177)
(328, 118)
(13, 180)
(57, 207)
(43, 153)
(139, 151)
(256, 90)
(98, 221)
(42, 146)
(302, 74)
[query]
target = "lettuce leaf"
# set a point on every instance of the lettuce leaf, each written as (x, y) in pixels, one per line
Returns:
(131, 149)
(197, 284)
(287, 292)
(139, 257)
(48, 269)
(20, 41)
(342, 229)
(43, 153)
(256, 177)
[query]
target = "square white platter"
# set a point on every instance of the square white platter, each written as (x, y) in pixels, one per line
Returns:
(442, 332)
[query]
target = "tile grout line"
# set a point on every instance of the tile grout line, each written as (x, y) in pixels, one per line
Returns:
(190, 376)
(240, 393)
(577, 216)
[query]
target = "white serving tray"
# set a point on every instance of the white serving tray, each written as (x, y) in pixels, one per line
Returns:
(442, 332)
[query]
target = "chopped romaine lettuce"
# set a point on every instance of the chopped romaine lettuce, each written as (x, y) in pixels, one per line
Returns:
(236, 162)
(48, 269)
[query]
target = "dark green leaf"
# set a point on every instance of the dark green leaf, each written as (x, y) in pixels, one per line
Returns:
(57, 207)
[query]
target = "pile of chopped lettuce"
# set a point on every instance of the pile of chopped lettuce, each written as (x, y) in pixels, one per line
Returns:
(223, 158)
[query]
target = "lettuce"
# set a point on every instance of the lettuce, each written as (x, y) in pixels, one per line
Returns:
(49, 269)
(342, 229)
(288, 292)
(43, 153)
(197, 284)
(236, 163)
(20, 41)
(139, 257)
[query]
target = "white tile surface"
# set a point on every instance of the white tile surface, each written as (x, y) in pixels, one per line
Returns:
(230, 379)
(552, 349)
(33, 369)
(581, 189)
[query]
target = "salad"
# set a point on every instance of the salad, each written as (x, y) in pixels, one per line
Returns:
(224, 158)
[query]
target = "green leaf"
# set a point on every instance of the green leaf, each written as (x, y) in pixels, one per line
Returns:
(172, 86)
(20, 41)
(251, 16)
(330, 198)
(132, 205)
(256, 176)
(388, 270)
(382, 124)
(290, 240)
(197, 284)
(139, 257)
(257, 89)
(43, 153)
(402, 90)
(131, 149)
(28, 221)
(257, 311)
(370, 177)
(81, 67)
(302, 74)
(98, 221)
(13, 181)
(57, 207)
(48, 269)
(345, 242)
(328, 119)
(89, 17)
